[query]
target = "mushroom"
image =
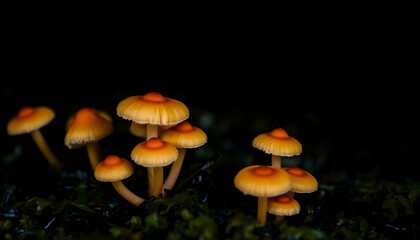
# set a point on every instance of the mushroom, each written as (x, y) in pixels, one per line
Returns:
(182, 136)
(30, 120)
(88, 127)
(114, 169)
(303, 182)
(263, 182)
(278, 143)
(139, 130)
(282, 205)
(152, 109)
(155, 153)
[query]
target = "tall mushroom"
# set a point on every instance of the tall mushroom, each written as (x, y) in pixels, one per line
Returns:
(114, 169)
(88, 127)
(279, 144)
(182, 136)
(155, 153)
(30, 120)
(152, 109)
(263, 182)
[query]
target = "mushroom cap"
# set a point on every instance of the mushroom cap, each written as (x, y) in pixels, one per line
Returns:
(89, 125)
(303, 182)
(282, 205)
(184, 135)
(277, 142)
(154, 153)
(113, 169)
(104, 114)
(139, 130)
(263, 181)
(29, 119)
(152, 108)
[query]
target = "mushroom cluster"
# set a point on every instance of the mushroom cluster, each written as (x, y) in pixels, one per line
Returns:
(160, 120)
(273, 185)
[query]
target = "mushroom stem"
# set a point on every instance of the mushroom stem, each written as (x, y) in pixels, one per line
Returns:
(175, 170)
(94, 153)
(127, 194)
(262, 210)
(157, 187)
(279, 218)
(276, 161)
(45, 149)
(291, 194)
(152, 131)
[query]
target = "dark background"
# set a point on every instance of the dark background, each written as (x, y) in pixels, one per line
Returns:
(350, 99)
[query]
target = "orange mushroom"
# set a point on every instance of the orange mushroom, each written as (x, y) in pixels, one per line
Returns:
(303, 182)
(30, 120)
(182, 136)
(152, 109)
(278, 143)
(114, 169)
(88, 127)
(263, 182)
(155, 153)
(283, 205)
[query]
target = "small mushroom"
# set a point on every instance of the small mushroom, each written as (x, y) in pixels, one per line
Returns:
(263, 182)
(114, 169)
(303, 182)
(30, 120)
(182, 136)
(283, 205)
(157, 154)
(279, 144)
(152, 109)
(88, 127)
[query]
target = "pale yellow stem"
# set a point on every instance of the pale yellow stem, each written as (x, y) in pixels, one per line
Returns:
(157, 187)
(45, 149)
(127, 194)
(94, 153)
(174, 173)
(276, 161)
(151, 131)
(151, 178)
(262, 210)
(279, 218)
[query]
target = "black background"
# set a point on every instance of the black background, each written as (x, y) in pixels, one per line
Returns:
(350, 99)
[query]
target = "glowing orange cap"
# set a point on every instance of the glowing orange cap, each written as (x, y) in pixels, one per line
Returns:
(154, 153)
(282, 205)
(29, 119)
(277, 142)
(184, 135)
(88, 125)
(113, 168)
(152, 108)
(303, 182)
(263, 181)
